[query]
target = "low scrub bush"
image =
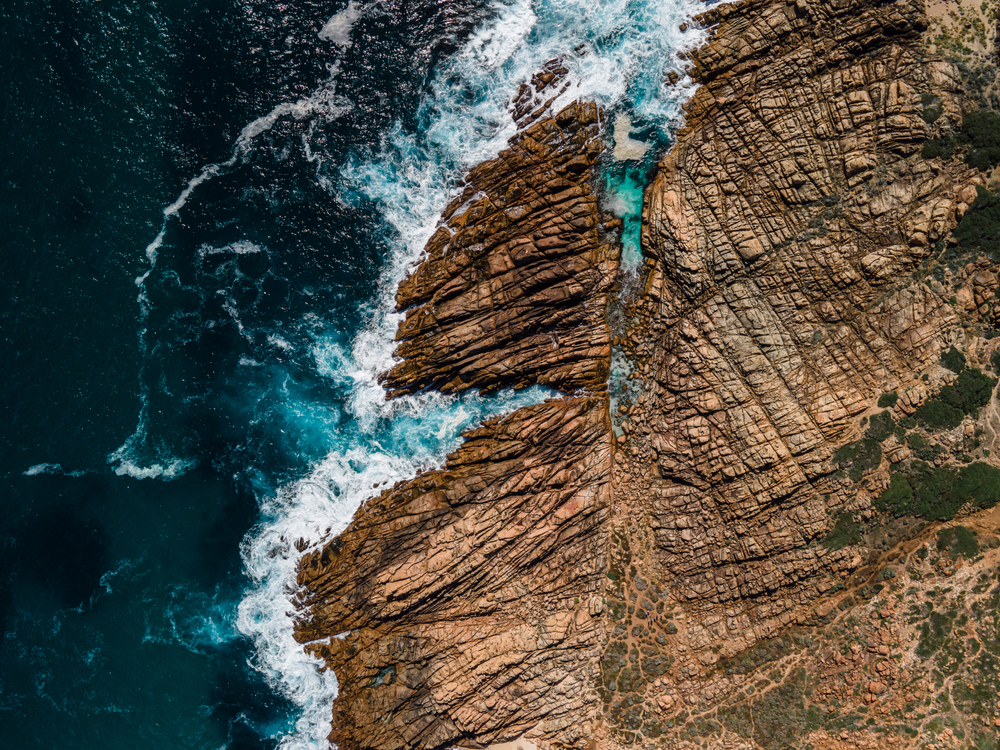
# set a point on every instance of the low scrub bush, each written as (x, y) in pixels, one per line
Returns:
(958, 541)
(953, 359)
(859, 458)
(971, 390)
(981, 130)
(938, 415)
(937, 493)
(881, 426)
(844, 532)
(888, 400)
(979, 229)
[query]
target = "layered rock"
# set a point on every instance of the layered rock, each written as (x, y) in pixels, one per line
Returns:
(559, 584)
(465, 602)
(778, 230)
(513, 288)
(461, 602)
(787, 236)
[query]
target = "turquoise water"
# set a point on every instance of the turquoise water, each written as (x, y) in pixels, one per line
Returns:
(206, 209)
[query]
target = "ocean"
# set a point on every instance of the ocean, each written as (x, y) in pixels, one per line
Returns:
(206, 208)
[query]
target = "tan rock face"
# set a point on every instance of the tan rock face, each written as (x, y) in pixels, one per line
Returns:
(464, 596)
(514, 287)
(779, 229)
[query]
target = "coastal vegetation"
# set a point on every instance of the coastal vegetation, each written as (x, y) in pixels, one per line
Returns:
(978, 138)
(971, 390)
(979, 230)
(938, 492)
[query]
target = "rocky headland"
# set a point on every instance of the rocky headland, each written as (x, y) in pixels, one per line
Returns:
(781, 534)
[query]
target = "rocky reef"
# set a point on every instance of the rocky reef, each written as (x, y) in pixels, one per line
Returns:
(469, 599)
(781, 533)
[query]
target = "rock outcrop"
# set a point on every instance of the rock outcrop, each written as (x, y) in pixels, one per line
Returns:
(466, 602)
(514, 287)
(788, 236)
(779, 229)
(462, 601)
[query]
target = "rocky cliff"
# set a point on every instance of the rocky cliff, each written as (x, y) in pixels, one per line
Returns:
(514, 288)
(726, 559)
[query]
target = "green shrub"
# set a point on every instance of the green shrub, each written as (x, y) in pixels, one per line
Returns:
(931, 115)
(953, 359)
(882, 425)
(983, 159)
(935, 148)
(979, 229)
(907, 423)
(938, 415)
(898, 499)
(971, 390)
(981, 130)
(932, 489)
(859, 458)
(995, 361)
(979, 484)
(937, 493)
(958, 541)
(844, 532)
(888, 400)
(922, 447)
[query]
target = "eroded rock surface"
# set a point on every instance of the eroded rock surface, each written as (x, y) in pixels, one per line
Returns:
(514, 287)
(465, 595)
(468, 598)
(788, 235)
(678, 584)
(779, 229)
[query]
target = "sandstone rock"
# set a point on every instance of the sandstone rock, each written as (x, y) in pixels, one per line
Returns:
(502, 597)
(769, 319)
(519, 513)
(514, 287)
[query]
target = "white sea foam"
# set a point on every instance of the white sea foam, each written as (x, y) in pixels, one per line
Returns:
(38, 469)
(42, 469)
(337, 30)
(323, 102)
(319, 507)
(627, 148)
(170, 469)
(241, 247)
(627, 50)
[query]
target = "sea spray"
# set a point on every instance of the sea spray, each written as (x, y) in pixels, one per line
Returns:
(413, 434)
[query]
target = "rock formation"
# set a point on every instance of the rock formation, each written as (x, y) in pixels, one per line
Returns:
(462, 601)
(514, 287)
(696, 566)
(778, 230)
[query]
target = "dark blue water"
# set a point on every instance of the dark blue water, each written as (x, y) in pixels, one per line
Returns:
(118, 595)
(205, 208)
